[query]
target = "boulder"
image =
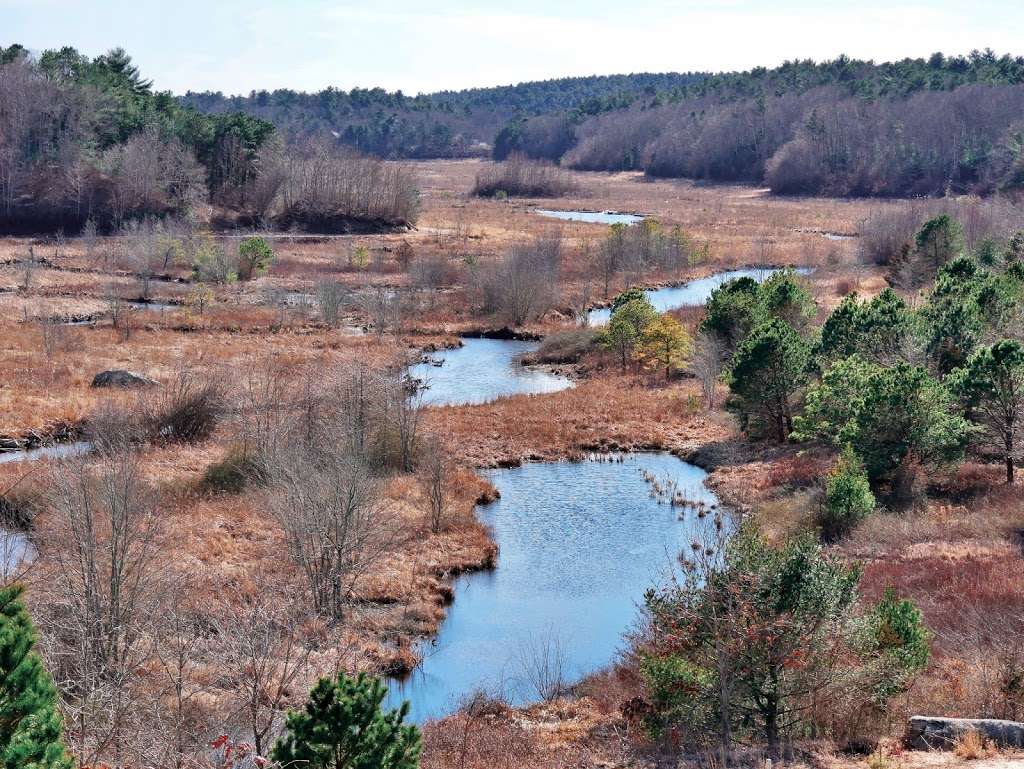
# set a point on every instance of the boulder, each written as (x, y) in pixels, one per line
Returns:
(929, 733)
(121, 378)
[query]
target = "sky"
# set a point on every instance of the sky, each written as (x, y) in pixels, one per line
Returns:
(235, 46)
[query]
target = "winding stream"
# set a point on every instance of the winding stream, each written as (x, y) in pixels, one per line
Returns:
(580, 543)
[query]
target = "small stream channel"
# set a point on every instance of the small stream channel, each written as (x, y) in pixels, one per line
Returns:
(591, 217)
(579, 542)
(691, 294)
(15, 547)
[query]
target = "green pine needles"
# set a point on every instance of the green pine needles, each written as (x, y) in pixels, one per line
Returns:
(30, 724)
(344, 727)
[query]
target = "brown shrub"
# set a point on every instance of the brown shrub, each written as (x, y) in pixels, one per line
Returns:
(519, 176)
(799, 471)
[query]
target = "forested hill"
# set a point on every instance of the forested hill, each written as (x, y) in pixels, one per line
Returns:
(842, 127)
(443, 124)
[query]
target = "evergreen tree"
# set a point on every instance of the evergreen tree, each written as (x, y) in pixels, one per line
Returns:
(848, 499)
(730, 312)
(30, 724)
(344, 727)
(939, 241)
(628, 321)
(992, 387)
(885, 414)
(767, 370)
(664, 343)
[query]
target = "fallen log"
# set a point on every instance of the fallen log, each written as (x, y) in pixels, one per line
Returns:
(930, 733)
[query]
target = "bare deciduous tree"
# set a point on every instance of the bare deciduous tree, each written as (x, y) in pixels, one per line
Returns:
(102, 595)
(330, 298)
(707, 364)
(434, 473)
(264, 659)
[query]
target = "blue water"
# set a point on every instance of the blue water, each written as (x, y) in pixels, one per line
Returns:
(482, 370)
(592, 217)
(692, 294)
(580, 543)
(15, 548)
(56, 451)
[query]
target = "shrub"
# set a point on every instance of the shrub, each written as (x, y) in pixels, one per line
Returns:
(326, 189)
(848, 499)
(565, 346)
(521, 177)
(971, 745)
(521, 286)
(233, 473)
(212, 265)
(185, 411)
(254, 257)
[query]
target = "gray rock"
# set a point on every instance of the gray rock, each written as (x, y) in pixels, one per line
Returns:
(121, 378)
(929, 733)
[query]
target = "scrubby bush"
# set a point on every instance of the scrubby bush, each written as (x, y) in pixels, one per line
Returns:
(211, 264)
(187, 410)
(234, 472)
(847, 499)
(520, 177)
(328, 189)
(521, 285)
(254, 257)
(566, 346)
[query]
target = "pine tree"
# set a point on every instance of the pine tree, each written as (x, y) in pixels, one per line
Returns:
(30, 724)
(344, 727)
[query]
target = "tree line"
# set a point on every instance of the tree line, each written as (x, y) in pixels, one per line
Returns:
(443, 124)
(88, 140)
(841, 127)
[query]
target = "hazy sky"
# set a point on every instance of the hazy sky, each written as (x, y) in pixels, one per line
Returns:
(238, 45)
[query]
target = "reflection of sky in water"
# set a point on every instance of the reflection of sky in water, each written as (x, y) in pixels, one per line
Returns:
(482, 370)
(592, 217)
(580, 543)
(691, 294)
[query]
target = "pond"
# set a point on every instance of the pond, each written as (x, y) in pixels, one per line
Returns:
(482, 370)
(580, 543)
(591, 217)
(692, 294)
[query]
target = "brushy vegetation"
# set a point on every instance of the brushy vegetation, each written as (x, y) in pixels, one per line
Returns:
(88, 144)
(521, 177)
